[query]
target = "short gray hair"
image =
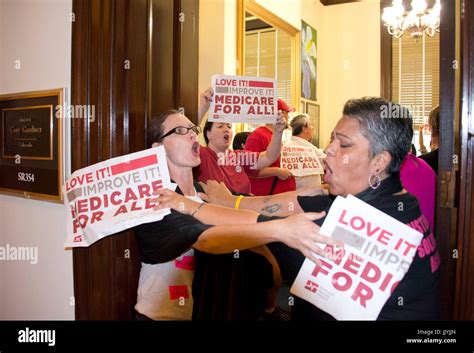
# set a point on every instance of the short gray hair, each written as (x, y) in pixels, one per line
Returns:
(298, 123)
(387, 126)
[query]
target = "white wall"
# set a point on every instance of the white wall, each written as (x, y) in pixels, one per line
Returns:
(230, 37)
(39, 34)
(217, 39)
(289, 10)
(39, 291)
(348, 48)
(313, 12)
(351, 58)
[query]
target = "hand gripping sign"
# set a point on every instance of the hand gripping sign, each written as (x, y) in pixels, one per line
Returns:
(110, 196)
(359, 278)
(239, 99)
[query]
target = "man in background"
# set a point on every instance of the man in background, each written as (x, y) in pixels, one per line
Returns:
(302, 135)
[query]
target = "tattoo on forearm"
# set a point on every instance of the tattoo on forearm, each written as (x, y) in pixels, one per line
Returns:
(266, 199)
(273, 208)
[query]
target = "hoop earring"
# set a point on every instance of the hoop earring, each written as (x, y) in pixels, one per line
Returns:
(374, 181)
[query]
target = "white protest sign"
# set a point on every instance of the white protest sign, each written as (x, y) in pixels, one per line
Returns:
(359, 278)
(110, 196)
(239, 99)
(300, 160)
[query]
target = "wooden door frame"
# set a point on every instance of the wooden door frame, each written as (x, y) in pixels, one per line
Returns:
(130, 70)
(445, 206)
(265, 15)
(464, 290)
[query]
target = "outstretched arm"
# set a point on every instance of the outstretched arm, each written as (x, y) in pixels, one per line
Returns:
(207, 213)
(298, 232)
(281, 205)
(238, 229)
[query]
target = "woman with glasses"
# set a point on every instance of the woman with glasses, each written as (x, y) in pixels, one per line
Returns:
(167, 247)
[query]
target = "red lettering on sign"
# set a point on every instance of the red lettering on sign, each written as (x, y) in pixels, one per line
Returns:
(347, 281)
(358, 223)
(371, 273)
(96, 216)
(226, 82)
(120, 210)
(363, 293)
(352, 264)
(177, 292)
(319, 269)
(79, 180)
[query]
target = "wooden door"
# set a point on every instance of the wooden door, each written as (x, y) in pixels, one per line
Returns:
(464, 289)
(131, 59)
(448, 167)
(448, 190)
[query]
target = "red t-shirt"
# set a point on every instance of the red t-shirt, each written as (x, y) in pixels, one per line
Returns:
(231, 169)
(258, 141)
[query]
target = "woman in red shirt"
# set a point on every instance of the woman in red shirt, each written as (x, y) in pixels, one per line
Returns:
(222, 164)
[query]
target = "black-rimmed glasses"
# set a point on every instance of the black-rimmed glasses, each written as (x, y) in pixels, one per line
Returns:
(182, 130)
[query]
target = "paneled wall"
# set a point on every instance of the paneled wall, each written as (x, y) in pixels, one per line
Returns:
(131, 59)
(41, 291)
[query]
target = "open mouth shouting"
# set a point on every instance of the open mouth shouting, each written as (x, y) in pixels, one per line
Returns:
(195, 149)
(328, 172)
(227, 138)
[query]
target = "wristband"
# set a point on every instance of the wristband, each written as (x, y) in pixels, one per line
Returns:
(237, 202)
(197, 209)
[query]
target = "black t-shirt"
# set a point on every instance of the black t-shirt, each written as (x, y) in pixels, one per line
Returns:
(416, 296)
(165, 240)
(432, 159)
(228, 286)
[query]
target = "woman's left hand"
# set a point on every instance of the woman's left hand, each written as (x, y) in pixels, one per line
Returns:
(169, 199)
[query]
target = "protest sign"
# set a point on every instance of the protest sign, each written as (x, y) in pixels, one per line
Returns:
(239, 99)
(359, 278)
(110, 196)
(300, 160)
